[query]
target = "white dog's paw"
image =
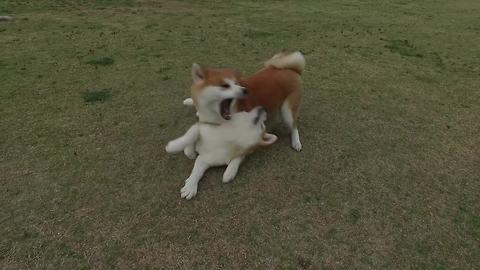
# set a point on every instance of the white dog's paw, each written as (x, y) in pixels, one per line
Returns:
(297, 145)
(172, 147)
(190, 152)
(228, 176)
(188, 102)
(296, 140)
(189, 190)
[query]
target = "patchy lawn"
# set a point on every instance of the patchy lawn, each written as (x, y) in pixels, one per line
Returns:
(388, 178)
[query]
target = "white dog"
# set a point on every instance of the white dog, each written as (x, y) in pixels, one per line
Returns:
(221, 144)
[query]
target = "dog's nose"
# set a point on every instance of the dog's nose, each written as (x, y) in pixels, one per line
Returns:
(261, 109)
(245, 92)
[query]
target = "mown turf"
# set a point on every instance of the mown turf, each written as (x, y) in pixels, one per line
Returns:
(388, 177)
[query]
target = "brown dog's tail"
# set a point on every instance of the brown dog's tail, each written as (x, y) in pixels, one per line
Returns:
(294, 61)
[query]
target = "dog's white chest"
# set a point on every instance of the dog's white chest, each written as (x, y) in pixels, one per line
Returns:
(220, 144)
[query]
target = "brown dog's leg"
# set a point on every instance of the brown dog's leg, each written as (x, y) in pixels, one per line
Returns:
(290, 111)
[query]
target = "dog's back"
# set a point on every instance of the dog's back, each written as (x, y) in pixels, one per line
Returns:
(269, 88)
(272, 85)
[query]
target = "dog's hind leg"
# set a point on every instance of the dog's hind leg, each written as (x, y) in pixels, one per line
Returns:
(232, 169)
(189, 138)
(189, 190)
(290, 115)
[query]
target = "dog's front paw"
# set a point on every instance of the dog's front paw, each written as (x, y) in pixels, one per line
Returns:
(295, 139)
(189, 190)
(188, 102)
(296, 145)
(172, 148)
(190, 152)
(228, 176)
(169, 147)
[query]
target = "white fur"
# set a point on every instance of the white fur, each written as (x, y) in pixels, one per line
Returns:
(218, 143)
(5, 18)
(224, 144)
(294, 61)
(208, 101)
(210, 98)
(287, 117)
(179, 144)
(189, 151)
(232, 169)
(191, 184)
(296, 144)
(188, 102)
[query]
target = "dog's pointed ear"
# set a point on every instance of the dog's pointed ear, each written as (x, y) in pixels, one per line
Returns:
(198, 73)
(268, 139)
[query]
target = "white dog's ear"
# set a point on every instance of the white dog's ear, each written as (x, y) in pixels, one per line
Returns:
(198, 73)
(268, 139)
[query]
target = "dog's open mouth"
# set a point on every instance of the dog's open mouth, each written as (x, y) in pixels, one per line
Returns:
(225, 106)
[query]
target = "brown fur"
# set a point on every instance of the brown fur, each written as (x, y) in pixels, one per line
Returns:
(269, 88)
(213, 77)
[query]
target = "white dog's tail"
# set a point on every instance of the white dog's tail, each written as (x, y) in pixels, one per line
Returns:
(295, 61)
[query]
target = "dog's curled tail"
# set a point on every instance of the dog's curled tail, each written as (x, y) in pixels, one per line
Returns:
(295, 61)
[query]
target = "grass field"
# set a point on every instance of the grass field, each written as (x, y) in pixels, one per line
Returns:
(389, 174)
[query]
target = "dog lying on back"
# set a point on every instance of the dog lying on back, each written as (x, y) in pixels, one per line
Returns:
(221, 144)
(219, 93)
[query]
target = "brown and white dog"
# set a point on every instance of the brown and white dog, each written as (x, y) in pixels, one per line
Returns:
(219, 93)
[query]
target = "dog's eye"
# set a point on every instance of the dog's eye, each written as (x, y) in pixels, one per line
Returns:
(225, 85)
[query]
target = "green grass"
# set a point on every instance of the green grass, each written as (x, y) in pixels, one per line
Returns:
(96, 96)
(103, 61)
(403, 47)
(388, 177)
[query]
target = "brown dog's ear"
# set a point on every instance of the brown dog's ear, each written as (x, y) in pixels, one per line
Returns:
(268, 139)
(198, 73)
